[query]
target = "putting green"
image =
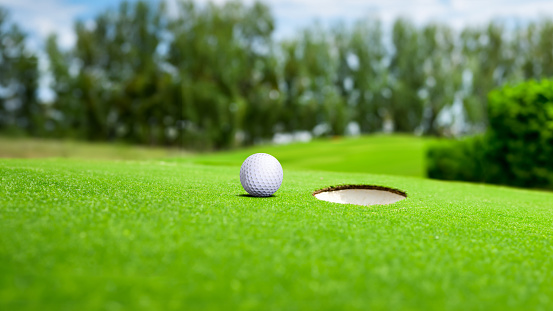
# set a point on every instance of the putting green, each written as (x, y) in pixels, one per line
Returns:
(123, 235)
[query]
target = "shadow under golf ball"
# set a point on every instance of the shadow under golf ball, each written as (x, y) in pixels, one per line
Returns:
(253, 196)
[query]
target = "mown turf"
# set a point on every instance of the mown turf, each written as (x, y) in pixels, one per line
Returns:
(376, 154)
(77, 235)
(25, 147)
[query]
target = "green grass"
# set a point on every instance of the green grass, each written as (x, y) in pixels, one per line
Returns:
(17, 147)
(376, 154)
(135, 235)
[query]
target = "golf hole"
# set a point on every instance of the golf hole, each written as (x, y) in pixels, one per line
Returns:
(360, 195)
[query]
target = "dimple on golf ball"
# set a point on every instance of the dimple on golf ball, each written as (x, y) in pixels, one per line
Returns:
(261, 175)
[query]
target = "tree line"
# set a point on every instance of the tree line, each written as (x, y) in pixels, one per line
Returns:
(214, 77)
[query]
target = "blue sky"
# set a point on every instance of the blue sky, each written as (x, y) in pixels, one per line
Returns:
(41, 17)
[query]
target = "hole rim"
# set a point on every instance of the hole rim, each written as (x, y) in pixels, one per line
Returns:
(365, 187)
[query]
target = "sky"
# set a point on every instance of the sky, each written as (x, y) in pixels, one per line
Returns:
(42, 17)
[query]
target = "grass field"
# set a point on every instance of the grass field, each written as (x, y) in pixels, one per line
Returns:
(377, 154)
(11, 147)
(177, 235)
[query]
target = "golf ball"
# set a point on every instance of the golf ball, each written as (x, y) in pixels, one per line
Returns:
(261, 175)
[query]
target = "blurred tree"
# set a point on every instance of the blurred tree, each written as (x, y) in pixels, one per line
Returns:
(364, 61)
(120, 78)
(407, 77)
(210, 76)
(323, 100)
(442, 72)
(490, 61)
(545, 47)
(314, 96)
(112, 84)
(227, 72)
(65, 113)
(294, 85)
(20, 111)
(533, 46)
(525, 47)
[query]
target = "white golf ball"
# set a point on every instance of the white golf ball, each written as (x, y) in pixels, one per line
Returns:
(261, 175)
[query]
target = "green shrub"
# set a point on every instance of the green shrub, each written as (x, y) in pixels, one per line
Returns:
(457, 159)
(517, 150)
(521, 133)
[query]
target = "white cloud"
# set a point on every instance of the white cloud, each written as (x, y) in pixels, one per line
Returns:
(47, 16)
(41, 18)
(293, 14)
